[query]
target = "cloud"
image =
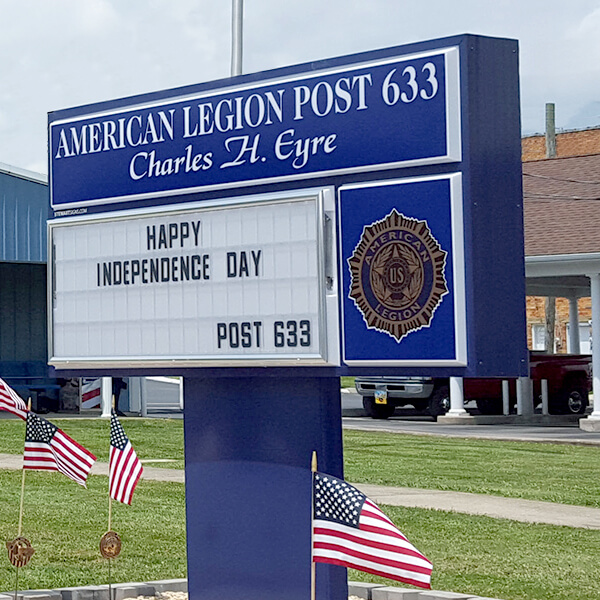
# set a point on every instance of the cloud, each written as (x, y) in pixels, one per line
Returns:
(64, 53)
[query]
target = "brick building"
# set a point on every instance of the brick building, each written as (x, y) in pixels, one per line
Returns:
(562, 217)
(581, 142)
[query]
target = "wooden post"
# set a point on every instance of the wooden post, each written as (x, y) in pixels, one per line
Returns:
(313, 565)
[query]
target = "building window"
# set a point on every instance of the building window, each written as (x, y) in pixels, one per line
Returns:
(538, 336)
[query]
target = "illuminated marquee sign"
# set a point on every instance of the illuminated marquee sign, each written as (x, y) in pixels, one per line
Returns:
(229, 284)
(175, 215)
(374, 115)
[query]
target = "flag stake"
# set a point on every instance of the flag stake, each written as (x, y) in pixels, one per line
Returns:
(21, 507)
(23, 485)
(109, 496)
(16, 582)
(21, 514)
(313, 564)
(110, 596)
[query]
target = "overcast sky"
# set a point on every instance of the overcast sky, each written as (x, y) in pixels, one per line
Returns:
(57, 54)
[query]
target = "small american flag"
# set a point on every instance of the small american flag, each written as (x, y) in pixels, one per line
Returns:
(350, 530)
(11, 401)
(47, 448)
(125, 469)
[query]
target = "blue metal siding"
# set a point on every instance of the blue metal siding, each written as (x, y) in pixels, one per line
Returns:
(23, 337)
(23, 214)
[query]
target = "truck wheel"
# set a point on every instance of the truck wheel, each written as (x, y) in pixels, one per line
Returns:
(573, 400)
(439, 402)
(489, 406)
(377, 411)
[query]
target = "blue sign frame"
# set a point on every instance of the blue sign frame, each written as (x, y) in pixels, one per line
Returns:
(469, 127)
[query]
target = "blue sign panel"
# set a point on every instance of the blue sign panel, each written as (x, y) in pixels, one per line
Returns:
(363, 117)
(402, 272)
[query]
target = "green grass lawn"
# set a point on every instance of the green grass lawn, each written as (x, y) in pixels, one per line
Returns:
(151, 438)
(479, 555)
(497, 558)
(347, 382)
(65, 522)
(488, 557)
(551, 472)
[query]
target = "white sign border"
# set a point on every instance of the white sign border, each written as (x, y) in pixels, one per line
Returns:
(328, 344)
(458, 270)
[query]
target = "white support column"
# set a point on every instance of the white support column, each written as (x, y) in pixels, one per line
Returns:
(106, 397)
(505, 397)
(574, 326)
(524, 396)
(592, 423)
(457, 398)
(595, 291)
(134, 387)
(544, 386)
(144, 397)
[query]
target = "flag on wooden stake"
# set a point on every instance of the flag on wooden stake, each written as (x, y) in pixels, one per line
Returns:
(350, 530)
(125, 468)
(47, 448)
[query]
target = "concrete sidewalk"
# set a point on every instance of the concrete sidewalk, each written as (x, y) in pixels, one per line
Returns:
(515, 509)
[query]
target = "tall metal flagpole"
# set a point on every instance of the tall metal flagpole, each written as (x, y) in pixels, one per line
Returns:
(237, 30)
(313, 565)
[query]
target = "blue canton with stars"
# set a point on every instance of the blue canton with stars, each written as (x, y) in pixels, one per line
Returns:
(118, 439)
(38, 429)
(335, 500)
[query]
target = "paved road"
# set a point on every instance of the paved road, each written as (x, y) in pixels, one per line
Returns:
(407, 421)
(555, 435)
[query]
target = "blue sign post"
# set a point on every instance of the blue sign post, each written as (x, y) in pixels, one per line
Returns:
(263, 235)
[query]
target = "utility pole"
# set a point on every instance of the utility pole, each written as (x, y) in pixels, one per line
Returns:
(550, 305)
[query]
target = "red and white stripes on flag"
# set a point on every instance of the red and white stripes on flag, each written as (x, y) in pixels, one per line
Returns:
(11, 401)
(350, 530)
(125, 469)
(47, 448)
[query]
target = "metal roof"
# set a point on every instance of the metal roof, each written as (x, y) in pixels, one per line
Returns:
(24, 209)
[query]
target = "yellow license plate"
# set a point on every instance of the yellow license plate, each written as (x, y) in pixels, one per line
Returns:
(380, 396)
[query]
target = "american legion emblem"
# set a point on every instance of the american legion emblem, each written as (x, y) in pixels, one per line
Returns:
(397, 271)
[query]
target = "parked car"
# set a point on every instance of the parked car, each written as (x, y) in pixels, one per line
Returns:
(569, 378)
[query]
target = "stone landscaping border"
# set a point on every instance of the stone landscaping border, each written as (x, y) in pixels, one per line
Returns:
(372, 591)
(122, 591)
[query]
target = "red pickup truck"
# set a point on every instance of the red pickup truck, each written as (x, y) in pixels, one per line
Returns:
(569, 378)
